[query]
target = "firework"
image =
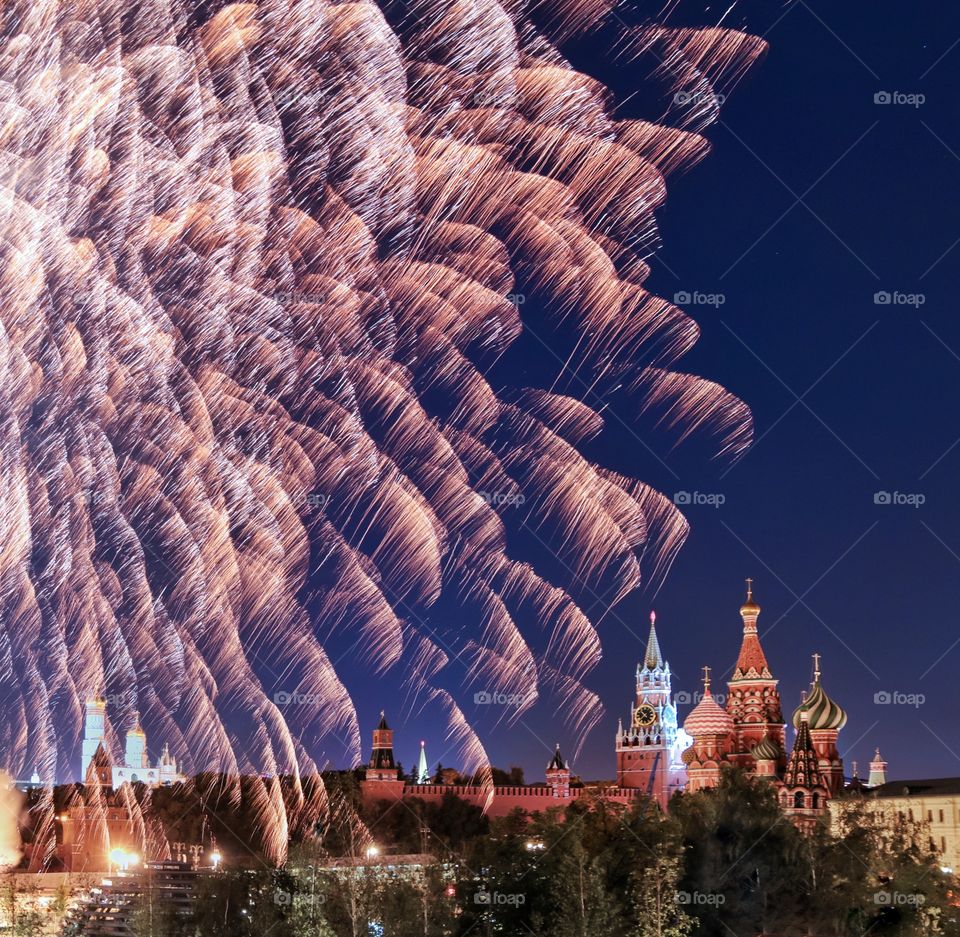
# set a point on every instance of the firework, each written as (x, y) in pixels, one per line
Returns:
(259, 260)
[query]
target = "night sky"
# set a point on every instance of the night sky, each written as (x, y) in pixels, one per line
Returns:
(814, 199)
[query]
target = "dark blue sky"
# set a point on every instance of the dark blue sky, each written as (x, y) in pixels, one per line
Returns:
(815, 199)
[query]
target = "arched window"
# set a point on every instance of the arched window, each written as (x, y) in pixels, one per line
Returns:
(798, 800)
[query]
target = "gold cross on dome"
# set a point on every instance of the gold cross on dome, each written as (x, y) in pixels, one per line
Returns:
(749, 589)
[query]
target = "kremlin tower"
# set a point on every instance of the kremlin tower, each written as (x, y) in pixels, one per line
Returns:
(558, 775)
(878, 770)
(649, 749)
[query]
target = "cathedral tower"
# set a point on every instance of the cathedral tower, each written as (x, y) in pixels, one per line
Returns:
(804, 793)
(648, 750)
(753, 700)
(94, 733)
(825, 719)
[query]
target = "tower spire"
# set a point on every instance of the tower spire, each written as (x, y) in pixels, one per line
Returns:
(653, 659)
(751, 662)
(423, 769)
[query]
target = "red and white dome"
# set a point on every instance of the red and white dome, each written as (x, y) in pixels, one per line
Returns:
(708, 718)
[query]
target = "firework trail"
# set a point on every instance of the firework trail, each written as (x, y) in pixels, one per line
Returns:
(258, 262)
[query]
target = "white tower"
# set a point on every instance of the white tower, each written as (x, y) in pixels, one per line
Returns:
(94, 732)
(135, 755)
(878, 770)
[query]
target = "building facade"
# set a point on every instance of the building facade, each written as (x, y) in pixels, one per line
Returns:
(97, 765)
(750, 733)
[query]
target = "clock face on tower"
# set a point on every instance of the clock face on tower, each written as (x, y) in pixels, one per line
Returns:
(645, 715)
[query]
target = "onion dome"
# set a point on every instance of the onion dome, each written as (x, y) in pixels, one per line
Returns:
(766, 750)
(688, 755)
(750, 609)
(708, 718)
(822, 712)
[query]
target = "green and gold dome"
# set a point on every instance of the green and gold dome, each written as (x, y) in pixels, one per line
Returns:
(766, 750)
(822, 712)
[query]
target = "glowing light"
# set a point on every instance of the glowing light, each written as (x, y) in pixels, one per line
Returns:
(215, 859)
(373, 851)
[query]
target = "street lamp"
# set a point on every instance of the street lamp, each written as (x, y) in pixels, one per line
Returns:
(373, 851)
(216, 859)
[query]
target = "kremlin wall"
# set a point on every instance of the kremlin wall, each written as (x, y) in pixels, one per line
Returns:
(656, 757)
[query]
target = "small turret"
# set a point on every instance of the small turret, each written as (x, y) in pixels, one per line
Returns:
(558, 775)
(878, 770)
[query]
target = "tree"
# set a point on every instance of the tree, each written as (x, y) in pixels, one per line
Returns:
(657, 900)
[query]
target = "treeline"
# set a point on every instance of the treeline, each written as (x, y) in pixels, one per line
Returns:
(723, 862)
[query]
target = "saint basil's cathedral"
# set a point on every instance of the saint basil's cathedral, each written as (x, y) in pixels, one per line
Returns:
(656, 756)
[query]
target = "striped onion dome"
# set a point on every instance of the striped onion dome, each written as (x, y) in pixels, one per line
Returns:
(766, 750)
(822, 712)
(708, 718)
